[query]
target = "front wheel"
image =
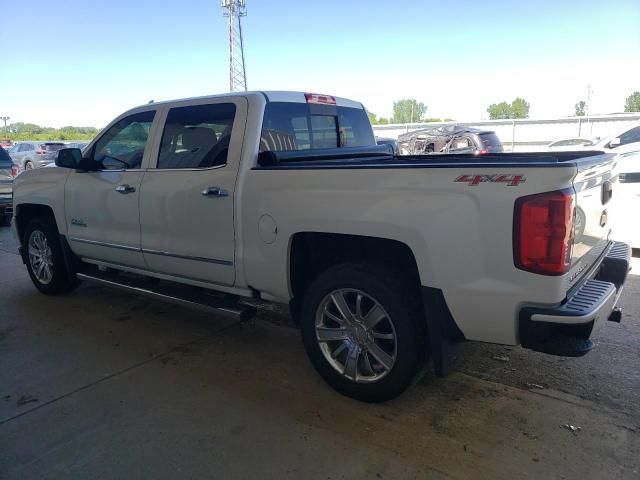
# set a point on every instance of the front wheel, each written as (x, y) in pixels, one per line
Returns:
(361, 329)
(45, 259)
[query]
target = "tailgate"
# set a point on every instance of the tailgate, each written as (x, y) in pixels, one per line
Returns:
(594, 185)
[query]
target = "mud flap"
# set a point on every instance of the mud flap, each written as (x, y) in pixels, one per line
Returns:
(445, 337)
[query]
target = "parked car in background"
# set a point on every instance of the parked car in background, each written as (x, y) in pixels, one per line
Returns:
(449, 139)
(30, 155)
(6, 187)
(624, 141)
(392, 142)
(6, 144)
(628, 198)
(569, 144)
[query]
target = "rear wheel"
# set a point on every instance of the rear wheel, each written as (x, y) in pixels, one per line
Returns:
(45, 258)
(360, 327)
(28, 165)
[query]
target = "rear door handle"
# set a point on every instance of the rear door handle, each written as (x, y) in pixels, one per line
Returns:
(214, 192)
(125, 189)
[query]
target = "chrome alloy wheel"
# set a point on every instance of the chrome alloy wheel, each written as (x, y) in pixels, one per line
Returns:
(356, 335)
(40, 257)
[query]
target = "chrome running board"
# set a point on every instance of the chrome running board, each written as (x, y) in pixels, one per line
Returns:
(184, 295)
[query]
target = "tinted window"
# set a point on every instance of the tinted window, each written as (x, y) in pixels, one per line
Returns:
(301, 126)
(122, 146)
(5, 159)
(630, 136)
(491, 142)
(197, 136)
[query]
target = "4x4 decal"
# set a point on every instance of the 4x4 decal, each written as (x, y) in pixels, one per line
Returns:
(509, 179)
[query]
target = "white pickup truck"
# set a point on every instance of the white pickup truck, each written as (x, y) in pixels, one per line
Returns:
(385, 261)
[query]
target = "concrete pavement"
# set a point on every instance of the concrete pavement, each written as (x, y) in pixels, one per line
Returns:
(101, 384)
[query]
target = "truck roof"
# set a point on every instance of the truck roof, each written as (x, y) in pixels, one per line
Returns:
(270, 96)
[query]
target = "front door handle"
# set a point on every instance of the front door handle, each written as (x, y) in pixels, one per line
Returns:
(214, 192)
(125, 189)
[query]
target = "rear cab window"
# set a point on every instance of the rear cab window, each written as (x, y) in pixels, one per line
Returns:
(301, 126)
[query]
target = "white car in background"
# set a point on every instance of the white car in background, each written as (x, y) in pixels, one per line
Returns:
(627, 198)
(569, 144)
(624, 141)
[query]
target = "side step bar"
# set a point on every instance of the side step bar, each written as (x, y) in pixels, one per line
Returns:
(187, 296)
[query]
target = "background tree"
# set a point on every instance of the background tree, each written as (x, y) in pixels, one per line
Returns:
(498, 111)
(408, 110)
(31, 131)
(372, 117)
(632, 103)
(581, 108)
(519, 108)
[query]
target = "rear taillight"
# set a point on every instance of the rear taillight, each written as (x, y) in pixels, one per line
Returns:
(14, 170)
(543, 232)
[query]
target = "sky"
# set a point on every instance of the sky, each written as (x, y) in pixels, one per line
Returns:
(82, 62)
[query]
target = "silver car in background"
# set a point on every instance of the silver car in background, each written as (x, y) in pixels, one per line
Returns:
(30, 155)
(6, 187)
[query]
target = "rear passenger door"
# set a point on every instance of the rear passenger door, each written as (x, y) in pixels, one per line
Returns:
(187, 201)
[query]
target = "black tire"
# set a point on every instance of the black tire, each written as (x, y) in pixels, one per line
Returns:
(61, 279)
(28, 165)
(401, 302)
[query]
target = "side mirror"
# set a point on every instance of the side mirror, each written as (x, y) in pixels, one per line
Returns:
(615, 142)
(69, 158)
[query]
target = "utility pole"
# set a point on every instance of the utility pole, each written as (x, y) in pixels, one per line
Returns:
(4, 119)
(588, 105)
(235, 10)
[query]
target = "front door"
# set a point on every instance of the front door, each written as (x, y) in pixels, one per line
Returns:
(187, 202)
(102, 207)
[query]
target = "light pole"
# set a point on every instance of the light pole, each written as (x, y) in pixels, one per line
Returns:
(4, 119)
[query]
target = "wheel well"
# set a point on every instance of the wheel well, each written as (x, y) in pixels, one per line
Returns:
(27, 211)
(313, 252)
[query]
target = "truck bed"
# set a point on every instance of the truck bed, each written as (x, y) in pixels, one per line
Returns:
(380, 157)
